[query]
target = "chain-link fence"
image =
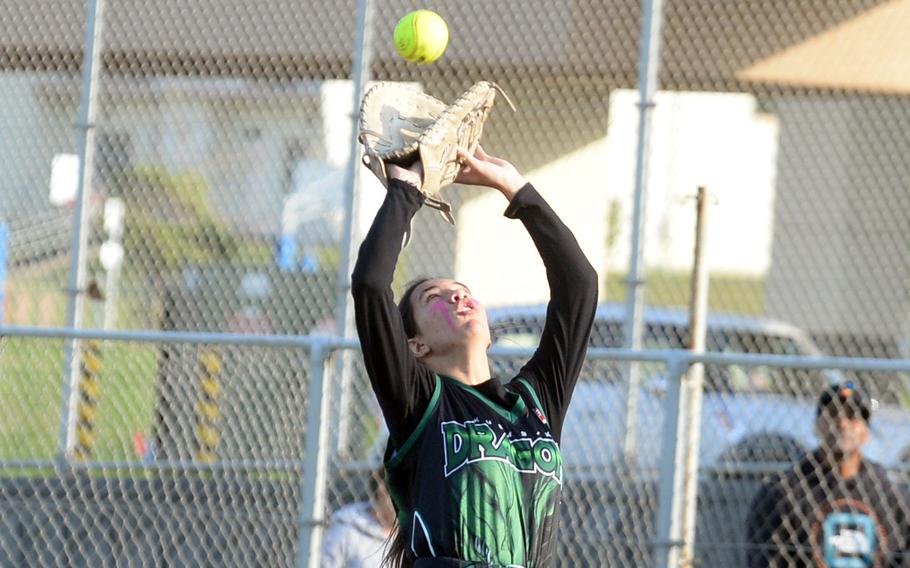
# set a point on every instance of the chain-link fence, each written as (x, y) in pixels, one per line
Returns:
(222, 130)
(217, 139)
(206, 449)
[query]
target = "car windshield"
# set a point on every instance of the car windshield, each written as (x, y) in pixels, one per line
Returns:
(525, 332)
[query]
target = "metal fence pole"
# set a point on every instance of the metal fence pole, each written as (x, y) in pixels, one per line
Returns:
(652, 15)
(77, 277)
(344, 315)
(4, 240)
(313, 490)
(670, 489)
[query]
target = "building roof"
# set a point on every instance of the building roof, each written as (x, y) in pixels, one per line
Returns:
(870, 52)
(704, 41)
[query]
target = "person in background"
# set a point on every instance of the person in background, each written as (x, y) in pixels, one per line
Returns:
(835, 508)
(359, 532)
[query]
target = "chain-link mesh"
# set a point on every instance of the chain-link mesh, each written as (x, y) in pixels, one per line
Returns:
(195, 454)
(773, 492)
(222, 143)
(184, 454)
(224, 128)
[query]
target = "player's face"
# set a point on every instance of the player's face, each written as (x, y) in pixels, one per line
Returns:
(842, 431)
(447, 313)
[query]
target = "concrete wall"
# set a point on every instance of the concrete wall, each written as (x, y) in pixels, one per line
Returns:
(32, 134)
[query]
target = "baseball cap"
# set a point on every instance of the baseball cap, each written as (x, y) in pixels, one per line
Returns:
(844, 397)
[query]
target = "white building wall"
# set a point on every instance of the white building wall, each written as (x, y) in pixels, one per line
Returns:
(717, 140)
(338, 109)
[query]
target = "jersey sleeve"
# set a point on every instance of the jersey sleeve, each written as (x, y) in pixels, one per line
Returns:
(554, 367)
(403, 386)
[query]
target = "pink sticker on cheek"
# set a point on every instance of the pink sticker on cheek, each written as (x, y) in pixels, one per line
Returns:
(440, 306)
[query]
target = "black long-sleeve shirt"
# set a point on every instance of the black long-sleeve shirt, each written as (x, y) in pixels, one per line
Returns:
(404, 386)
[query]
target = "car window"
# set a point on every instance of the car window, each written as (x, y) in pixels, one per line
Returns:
(760, 378)
(517, 331)
(606, 333)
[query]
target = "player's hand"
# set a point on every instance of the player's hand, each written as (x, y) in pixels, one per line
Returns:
(484, 169)
(412, 175)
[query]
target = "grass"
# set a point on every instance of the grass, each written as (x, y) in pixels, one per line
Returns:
(128, 405)
(31, 369)
(726, 293)
(31, 375)
(31, 378)
(30, 388)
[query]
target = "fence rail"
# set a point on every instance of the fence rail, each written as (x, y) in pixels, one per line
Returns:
(645, 493)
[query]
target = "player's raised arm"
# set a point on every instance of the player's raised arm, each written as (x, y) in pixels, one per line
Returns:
(554, 368)
(401, 385)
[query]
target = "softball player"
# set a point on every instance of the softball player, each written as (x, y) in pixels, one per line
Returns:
(473, 461)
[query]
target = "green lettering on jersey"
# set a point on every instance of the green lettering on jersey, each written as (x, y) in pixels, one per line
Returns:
(476, 441)
(547, 457)
(457, 445)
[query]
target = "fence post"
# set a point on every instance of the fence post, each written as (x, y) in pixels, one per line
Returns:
(344, 311)
(91, 68)
(649, 63)
(315, 462)
(670, 490)
(695, 378)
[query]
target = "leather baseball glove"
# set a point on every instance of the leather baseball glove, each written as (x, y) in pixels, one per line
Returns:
(400, 125)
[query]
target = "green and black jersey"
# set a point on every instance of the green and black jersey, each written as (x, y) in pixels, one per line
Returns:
(475, 471)
(488, 478)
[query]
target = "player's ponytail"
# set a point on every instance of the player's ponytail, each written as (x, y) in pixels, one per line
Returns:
(396, 557)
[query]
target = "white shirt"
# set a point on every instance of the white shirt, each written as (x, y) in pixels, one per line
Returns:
(354, 539)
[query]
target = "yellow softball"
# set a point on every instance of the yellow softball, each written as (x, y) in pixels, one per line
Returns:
(421, 36)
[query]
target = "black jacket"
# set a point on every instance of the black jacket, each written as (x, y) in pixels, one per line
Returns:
(809, 516)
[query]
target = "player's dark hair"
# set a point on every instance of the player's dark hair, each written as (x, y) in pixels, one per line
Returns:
(406, 308)
(396, 557)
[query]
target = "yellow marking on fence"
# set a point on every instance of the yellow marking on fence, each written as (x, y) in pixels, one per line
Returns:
(89, 395)
(208, 436)
(207, 411)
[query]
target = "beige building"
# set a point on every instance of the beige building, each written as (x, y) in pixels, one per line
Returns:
(841, 261)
